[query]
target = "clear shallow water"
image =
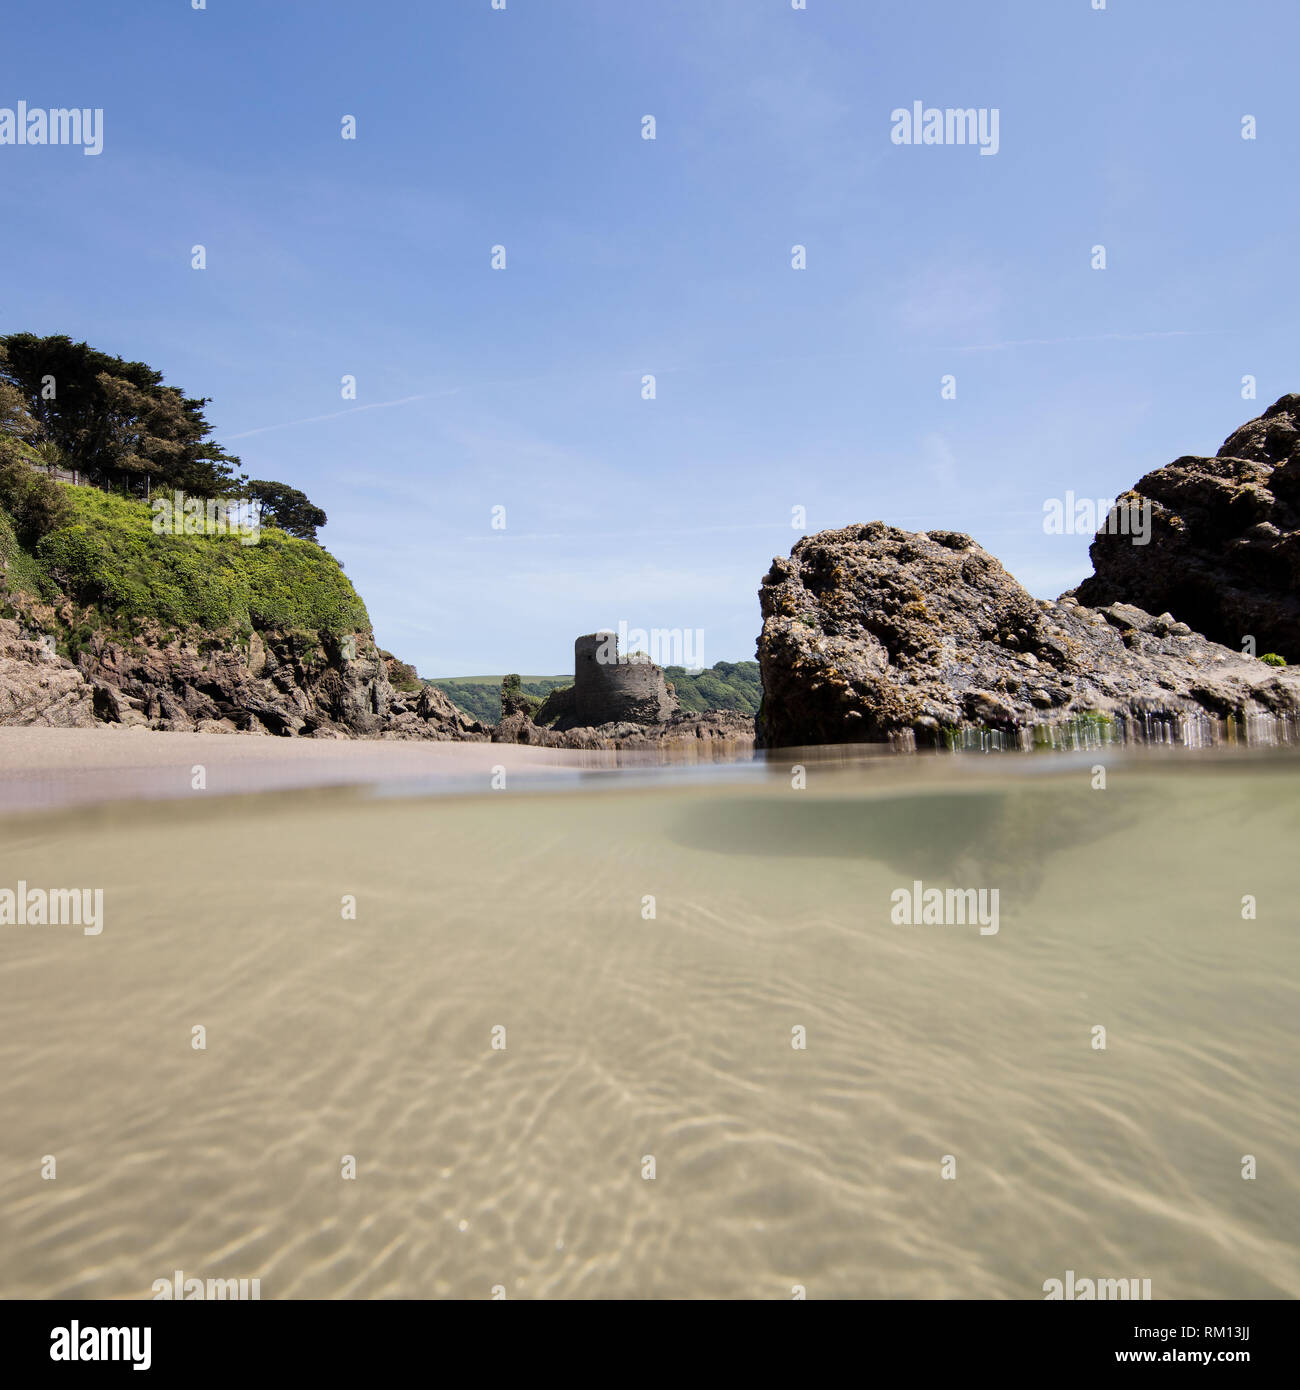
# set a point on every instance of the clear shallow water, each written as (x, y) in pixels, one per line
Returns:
(669, 1037)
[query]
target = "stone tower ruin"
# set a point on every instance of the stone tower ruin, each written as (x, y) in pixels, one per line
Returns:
(609, 688)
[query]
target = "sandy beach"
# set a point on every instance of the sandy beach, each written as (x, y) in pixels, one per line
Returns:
(44, 768)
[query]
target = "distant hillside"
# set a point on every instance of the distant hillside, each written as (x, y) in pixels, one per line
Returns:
(480, 696)
(724, 685)
(727, 685)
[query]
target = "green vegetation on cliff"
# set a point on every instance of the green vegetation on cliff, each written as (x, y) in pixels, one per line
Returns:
(127, 565)
(17, 568)
(102, 553)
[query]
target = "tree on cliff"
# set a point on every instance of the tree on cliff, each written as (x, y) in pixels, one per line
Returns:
(15, 419)
(36, 504)
(287, 508)
(115, 421)
(117, 424)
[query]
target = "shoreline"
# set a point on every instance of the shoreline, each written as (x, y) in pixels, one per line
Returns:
(45, 768)
(48, 769)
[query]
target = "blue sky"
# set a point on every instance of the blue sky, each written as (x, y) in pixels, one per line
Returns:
(776, 387)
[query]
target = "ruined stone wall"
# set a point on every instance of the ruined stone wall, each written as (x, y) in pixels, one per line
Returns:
(608, 691)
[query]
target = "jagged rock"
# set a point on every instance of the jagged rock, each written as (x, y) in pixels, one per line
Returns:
(292, 684)
(428, 715)
(873, 633)
(710, 727)
(113, 706)
(557, 706)
(1224, 551)
(518, 727)
(39, 687)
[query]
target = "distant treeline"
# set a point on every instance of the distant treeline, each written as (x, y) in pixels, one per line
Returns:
(732, 685)
(725, 685)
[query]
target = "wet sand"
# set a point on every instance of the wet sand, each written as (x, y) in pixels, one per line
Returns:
(61, 767)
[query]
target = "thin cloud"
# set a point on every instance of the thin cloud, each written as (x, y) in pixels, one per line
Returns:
(585, 536)
(352, 410)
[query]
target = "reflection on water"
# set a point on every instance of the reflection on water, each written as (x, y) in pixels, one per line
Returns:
(629, 1036)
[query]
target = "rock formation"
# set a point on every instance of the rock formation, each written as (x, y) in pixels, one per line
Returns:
(193, 631)
(716, 728)
(287, 684)
(1224, 553)
(874, 633)
(38, 687)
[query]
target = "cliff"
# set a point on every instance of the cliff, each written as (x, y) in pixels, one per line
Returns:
(106, 619)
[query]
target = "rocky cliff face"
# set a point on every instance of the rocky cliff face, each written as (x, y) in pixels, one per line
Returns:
(38, 687)
(1224, 554)
(874, 633)
(298, 684)
(183, 632)
(294, 685)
